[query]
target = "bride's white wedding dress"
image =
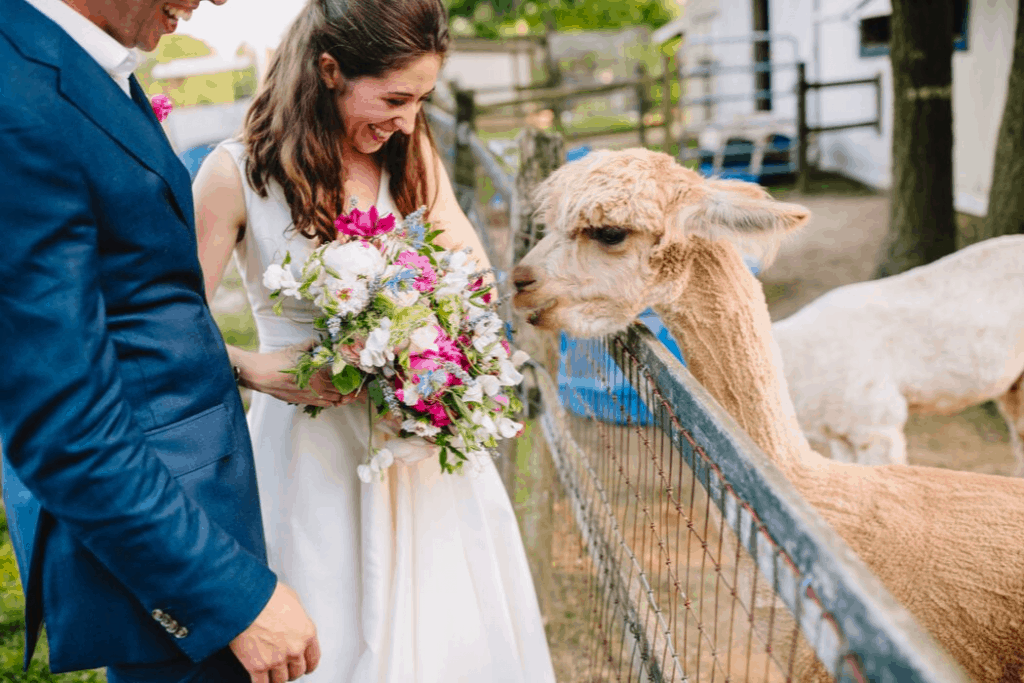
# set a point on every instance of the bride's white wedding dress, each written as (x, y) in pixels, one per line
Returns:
(421, 578)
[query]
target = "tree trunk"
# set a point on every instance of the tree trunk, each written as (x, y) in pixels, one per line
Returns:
(1006, 198)
(922, 226)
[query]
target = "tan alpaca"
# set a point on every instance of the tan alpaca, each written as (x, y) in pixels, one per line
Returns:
(632, 229)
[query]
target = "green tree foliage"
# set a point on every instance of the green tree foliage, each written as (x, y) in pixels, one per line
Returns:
(496, 18)
(202, 89)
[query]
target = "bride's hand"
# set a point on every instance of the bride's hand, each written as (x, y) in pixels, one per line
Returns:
(264, 372)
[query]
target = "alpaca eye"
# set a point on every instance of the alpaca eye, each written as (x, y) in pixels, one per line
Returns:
(609, 236)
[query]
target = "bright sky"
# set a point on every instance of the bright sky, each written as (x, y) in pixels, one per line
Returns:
(261, 23)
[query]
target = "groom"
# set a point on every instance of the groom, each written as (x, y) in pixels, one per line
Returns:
(128, 475)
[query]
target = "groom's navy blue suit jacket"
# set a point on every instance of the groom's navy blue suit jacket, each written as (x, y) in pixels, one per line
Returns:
(128, 475)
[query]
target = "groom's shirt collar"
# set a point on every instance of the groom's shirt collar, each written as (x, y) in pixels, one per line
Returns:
(112, 56)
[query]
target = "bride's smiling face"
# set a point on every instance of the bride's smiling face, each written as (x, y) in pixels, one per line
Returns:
(375, 108)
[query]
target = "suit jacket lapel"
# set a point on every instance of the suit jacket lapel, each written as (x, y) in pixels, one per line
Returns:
(96, 95)
(93, 92)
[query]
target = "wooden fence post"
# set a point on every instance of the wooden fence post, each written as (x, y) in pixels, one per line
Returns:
(642, 103)
(465, 165)
(529, 471)
(668, 145)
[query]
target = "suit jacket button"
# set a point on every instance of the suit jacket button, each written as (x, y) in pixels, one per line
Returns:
(158, 615)
(181, 632)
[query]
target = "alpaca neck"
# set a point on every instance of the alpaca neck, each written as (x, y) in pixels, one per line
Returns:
(721, 321)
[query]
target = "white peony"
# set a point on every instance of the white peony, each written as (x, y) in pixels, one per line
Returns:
(354, 259)
(420, 428)
(349, 293)
(378, 349)
(423, 339)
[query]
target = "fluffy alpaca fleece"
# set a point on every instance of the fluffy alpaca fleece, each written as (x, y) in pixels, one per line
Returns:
(948, 545)
(936, 339)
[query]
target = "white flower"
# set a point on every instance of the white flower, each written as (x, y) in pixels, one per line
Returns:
(488, 324)
(497, 351)
(420, 428)
(378, 349)
(423, 339)
(410, 395)
(474, 392)
(402, 298)
(519, 357)
(365, 473)
(278, 277)
(382, 459)
(508, 428)
(490, 384)
(485, 425)
(354, 259)
(509, 375)
(350, 294)
(482, 342)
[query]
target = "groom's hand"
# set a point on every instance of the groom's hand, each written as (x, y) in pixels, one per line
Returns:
(281, 644)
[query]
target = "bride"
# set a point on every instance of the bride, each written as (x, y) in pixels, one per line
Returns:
(420, 577)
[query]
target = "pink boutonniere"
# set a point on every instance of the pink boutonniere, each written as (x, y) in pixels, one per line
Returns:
(162, 106)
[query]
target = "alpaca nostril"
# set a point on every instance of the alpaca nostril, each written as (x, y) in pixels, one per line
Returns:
(522, 278)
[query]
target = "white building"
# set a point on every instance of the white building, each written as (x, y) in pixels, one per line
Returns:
(841, 40)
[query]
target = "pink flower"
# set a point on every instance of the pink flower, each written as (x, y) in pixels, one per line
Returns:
(427, 278)
(364, 224)
(438, 415)
(162, 106)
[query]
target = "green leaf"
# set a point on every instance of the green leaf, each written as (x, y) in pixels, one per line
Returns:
(348, 380)
(376, 395)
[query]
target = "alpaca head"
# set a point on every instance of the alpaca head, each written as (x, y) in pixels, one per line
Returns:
(619, 226)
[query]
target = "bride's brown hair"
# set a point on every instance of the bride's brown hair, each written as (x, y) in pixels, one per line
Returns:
(292, 132)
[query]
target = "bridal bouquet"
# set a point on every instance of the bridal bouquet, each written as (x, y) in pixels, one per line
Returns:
(413, 324)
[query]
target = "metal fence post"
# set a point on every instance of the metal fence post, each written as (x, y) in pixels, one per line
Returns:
(803, 179)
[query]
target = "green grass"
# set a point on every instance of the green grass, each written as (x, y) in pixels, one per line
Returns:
(12, 630)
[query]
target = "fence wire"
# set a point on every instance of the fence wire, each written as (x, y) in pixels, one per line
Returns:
(684, 582)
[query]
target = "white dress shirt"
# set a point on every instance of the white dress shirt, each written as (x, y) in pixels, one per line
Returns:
(112, 56)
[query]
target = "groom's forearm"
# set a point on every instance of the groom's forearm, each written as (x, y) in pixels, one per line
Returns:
(67, 429)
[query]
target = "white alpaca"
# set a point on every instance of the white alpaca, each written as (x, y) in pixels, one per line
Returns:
(935, 339)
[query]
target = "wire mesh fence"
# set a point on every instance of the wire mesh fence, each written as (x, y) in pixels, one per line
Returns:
(687, 572)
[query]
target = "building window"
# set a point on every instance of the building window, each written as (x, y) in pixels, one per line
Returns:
(876, 31)
(961, 20)
(874, 36)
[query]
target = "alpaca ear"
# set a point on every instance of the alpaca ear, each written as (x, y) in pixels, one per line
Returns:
(744, 209)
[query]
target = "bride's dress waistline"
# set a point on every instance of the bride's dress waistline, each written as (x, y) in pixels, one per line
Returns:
(277, 332)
